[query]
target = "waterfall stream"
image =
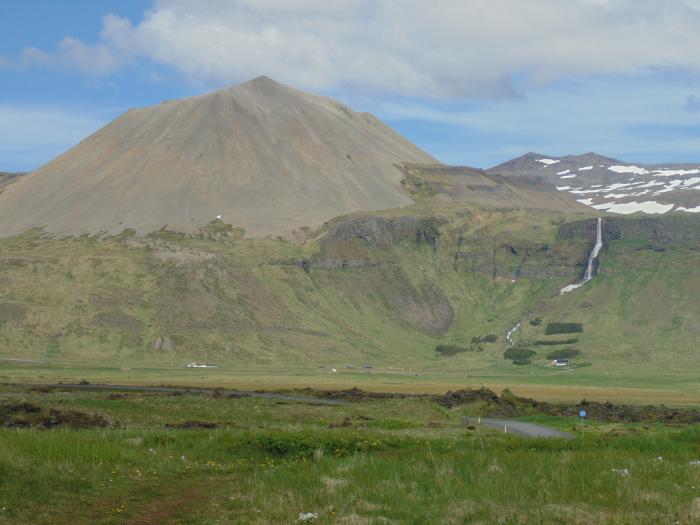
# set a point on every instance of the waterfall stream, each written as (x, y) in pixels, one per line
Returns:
(509, 334)
(588, 275)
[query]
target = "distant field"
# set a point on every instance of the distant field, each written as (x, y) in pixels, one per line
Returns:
(673, 389)
(159, 458)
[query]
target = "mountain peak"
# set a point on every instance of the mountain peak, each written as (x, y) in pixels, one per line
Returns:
(262, 83)
(262, 155)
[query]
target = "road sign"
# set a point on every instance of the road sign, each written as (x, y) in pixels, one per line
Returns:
(581, 413)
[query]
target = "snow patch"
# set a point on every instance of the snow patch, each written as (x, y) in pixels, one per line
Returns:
(689, 210)
(562, 188)
(629, 169)
(563, 172)
(626, 208)
(547, 161)
(585, 168)
(604, 206)
(568, 176)
(615, 186)
(651, 184)
(587, 202)
(673, 173)
(617, 195)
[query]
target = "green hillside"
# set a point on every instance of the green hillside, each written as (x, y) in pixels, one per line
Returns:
(383, 289)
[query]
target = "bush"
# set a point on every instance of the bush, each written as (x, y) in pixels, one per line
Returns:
(563, 353)
(490, 338)
(519, 354)
(537, 321)
(555, 342)
(448, 350)
(563, 328)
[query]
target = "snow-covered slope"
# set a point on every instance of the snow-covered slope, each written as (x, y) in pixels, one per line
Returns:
(612, 185)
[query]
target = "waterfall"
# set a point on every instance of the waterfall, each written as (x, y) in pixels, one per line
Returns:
(588, 275)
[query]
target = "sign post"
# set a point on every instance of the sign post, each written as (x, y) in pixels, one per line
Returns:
(582, 415)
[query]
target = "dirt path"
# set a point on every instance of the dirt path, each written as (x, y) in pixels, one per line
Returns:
(171, 508)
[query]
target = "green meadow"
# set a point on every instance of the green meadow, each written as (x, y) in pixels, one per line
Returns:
(374, 461)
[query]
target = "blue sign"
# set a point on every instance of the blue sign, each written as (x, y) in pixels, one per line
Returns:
(581, 413)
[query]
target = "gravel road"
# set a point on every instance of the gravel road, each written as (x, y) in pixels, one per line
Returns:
(521, 428)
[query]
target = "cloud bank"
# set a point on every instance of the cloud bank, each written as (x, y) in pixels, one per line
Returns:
(473, 48)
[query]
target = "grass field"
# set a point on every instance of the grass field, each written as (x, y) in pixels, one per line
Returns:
(383, 461)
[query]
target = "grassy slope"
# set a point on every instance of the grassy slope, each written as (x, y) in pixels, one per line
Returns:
(249, 304)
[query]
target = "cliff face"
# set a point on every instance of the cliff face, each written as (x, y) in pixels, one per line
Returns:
(669, 228)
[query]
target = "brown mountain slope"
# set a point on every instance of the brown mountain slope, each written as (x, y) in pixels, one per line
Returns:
(8, 178)
(266, 157)
(465, 184)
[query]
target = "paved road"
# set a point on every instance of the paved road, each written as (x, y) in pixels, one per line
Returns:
(209, 391)
(521, 428)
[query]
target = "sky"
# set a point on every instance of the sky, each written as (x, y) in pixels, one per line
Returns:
(474, 82)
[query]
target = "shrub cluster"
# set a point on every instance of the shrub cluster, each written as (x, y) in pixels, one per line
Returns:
(450, 349)
(490, 338)
(519, 356)
(563, 328)
(555, 342)
(563, 353)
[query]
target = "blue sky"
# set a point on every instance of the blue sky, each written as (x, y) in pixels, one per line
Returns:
(475, 84)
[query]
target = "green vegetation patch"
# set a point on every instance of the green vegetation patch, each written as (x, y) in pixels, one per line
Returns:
(449, 350)
(519, 356)
(563, 328)
(490, 338)
(555, 342)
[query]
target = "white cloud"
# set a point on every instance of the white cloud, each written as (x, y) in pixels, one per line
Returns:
(631, 119)
(451, 49)
(33, 135)
(96, 60)
(73, 54)
(31, 56)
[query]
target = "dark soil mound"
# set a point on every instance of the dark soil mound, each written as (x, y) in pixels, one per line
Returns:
(190, 425)
(24, 415)
(510, 405)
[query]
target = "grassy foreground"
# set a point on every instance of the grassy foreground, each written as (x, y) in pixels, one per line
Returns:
(398, 460)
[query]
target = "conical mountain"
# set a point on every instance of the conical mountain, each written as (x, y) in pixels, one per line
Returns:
(264, 156)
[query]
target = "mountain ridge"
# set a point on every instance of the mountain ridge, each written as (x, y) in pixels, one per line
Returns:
(611, 185)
